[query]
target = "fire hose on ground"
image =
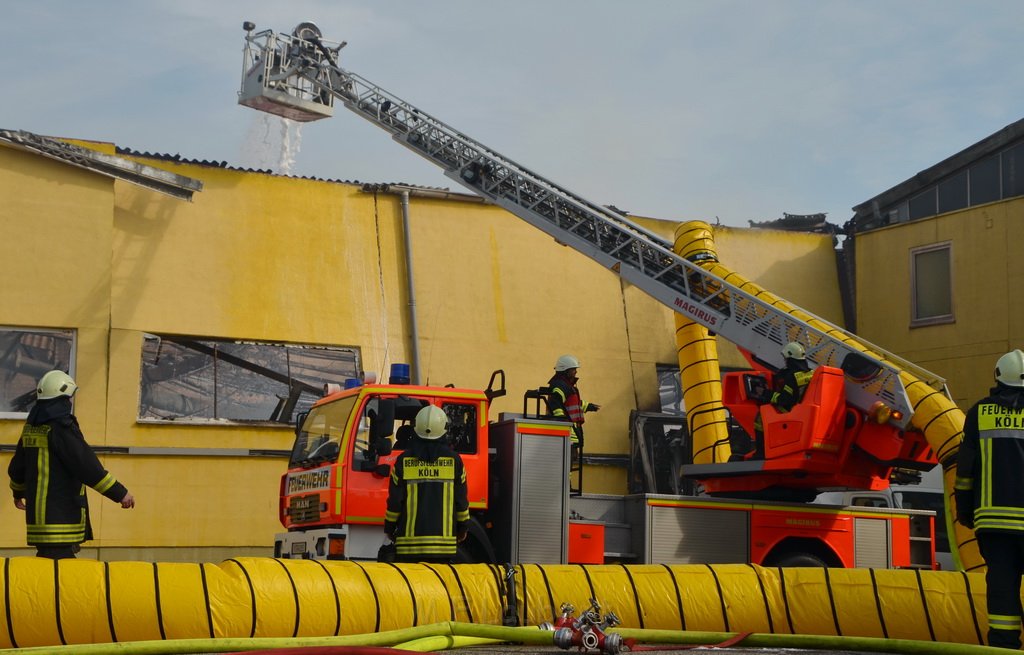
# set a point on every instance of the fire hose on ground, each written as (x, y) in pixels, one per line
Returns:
(449, 635)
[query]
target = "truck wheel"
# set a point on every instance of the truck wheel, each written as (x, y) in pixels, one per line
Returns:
(464, 556)
(801, 559)
(477, 548)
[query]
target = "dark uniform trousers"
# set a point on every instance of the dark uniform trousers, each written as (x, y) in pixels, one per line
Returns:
(1004, 555)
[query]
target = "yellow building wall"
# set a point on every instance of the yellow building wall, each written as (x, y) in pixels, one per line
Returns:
(988, 319)
(55, 219)
(260, 257)
(55, 260)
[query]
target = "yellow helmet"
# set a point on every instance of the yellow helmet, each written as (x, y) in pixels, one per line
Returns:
(1010, 369)
(431, 422)
(55, 384)
(565, 362)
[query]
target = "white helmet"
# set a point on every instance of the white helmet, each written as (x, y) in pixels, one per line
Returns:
(54, 384)
(1010, 369)
(431, 422)
(794, 350)
(565, 362)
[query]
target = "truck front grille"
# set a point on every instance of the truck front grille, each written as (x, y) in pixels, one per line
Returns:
(304, 509)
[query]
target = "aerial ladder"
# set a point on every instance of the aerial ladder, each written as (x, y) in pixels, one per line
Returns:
(298, 76)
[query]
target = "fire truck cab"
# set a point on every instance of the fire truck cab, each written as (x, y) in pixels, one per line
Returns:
(334, 494)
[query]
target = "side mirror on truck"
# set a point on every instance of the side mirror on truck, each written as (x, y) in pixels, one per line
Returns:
(382, 426)
(492, 391)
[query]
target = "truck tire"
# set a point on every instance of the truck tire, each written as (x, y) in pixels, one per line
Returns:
(477, 548)
(801, 559)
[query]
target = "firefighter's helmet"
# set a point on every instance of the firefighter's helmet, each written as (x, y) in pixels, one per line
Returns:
(1010, 369)
(566, 362)
(431, 422)
(55, 384)
(794, 350)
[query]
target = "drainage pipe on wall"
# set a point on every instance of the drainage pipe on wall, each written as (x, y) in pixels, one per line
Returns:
(414, 336)
(406, 192)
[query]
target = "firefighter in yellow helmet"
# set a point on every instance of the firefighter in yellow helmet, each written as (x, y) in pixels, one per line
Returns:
(51, 467)
(428, 500)
(564, 400)
(990, 497)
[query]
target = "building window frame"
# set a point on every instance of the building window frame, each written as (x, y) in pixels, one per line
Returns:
(999, 168)
(216, 381)
(917, 284)
(26, 354)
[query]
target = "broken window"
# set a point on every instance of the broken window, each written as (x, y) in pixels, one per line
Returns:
(26, 354)
(187, 378)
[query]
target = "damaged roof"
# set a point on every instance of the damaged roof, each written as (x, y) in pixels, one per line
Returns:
(94, 161)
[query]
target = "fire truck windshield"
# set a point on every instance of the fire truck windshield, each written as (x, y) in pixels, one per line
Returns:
(319, 438)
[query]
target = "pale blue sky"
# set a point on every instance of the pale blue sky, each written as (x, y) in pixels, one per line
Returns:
(676, 109)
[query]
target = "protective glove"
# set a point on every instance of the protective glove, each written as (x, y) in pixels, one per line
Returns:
(964, 508)
(461, 535)
(593, 407)
(390, 529)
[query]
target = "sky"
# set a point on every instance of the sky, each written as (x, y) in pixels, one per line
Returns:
(728, 111)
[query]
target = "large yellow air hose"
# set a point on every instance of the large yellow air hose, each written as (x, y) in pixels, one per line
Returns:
(700, 377)
(50, 603)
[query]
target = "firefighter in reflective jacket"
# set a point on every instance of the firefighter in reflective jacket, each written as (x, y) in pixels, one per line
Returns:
(790, 383)
(428, 502)
(564, 401)
(990, 497)
(51, 466)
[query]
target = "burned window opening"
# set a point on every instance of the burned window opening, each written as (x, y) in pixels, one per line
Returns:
(195, 379)
(26, 354)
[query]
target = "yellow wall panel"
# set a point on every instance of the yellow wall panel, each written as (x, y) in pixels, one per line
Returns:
(55, 252)
(987, 319)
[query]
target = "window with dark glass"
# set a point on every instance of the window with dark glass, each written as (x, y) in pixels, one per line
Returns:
(186, 378)
(1013, 171)
(953, 193)
(984, 180)
(931, 285)
(897, 214)
(923, 205)
(26, 354)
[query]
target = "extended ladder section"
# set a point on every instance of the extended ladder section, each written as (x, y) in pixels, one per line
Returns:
(608, 237)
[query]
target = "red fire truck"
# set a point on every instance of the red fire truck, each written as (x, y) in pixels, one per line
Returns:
(333, 496)
(852, 428)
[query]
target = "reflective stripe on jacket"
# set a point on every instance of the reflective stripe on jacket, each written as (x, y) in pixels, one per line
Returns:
(51, 466)
(794, 385)
(428, 501)
(565, 402)
(991, 459)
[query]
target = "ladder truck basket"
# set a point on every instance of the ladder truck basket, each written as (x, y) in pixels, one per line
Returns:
(285, 74)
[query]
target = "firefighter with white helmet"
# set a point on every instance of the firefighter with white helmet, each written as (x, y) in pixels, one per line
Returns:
(564, 400)
(428, 500)
(793, 378)
(990, 497)
(51, 466)
(789, 384)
